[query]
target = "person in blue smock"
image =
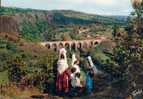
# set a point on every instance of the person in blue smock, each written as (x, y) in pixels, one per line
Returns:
(89, 81)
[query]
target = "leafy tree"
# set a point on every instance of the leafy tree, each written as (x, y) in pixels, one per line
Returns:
(50, 33)
(15, 73)
(115, 30)
(15, 69)
(128, 55)
(34, 31)
(66, 37)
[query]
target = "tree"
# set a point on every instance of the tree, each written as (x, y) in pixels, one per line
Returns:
(115, 30)
(15, 70)
(128, 54)
(138, 16)
(15, 73)
(66, 37)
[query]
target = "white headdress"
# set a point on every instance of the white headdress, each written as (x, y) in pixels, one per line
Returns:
(62, 62)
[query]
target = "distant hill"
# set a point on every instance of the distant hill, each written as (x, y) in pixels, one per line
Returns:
(73, 17)
(40, 25)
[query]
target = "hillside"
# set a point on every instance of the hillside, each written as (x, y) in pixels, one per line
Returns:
(110, 66)
(42, 25)
(57, 14)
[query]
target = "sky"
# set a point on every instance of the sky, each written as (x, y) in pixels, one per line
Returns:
(101, 7)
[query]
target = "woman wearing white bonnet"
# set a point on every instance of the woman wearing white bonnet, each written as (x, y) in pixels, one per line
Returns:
(62, 62)
(62, 82)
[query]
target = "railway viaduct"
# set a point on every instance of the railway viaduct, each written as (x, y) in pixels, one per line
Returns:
(73, 44)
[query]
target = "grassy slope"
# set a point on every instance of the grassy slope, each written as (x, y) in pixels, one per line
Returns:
(4, 77)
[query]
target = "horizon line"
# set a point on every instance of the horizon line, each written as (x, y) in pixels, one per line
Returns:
(26, 8)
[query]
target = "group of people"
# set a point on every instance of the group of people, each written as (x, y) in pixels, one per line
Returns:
(68, 79)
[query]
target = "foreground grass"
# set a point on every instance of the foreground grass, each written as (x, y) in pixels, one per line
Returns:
(4, 77)
(14, 92)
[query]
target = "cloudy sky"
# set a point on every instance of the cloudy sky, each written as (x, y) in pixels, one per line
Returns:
(103, 7)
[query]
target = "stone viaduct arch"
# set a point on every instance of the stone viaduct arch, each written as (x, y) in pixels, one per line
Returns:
(73, 44)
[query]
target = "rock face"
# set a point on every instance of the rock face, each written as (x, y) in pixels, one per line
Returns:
(9, 28)
(8, 24)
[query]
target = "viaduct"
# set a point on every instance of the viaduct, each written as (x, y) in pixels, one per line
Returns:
(73, 44)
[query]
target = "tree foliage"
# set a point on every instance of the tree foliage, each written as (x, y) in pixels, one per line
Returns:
(128, 55)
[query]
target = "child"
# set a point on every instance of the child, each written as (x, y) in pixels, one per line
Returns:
(76, 84)
(76, 65)
(72, 78)
(89, 81)
(72, 75)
